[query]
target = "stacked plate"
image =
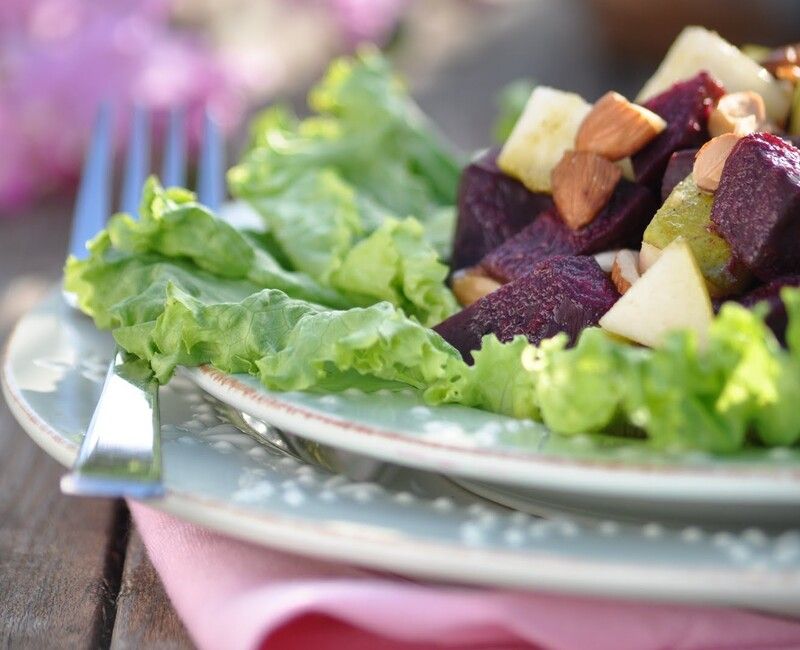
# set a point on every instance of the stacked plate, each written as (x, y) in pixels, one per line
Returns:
(453, 493)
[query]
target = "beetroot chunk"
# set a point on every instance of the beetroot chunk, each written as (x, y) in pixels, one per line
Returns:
(680, 165)
(757, 205)
(770, 294)
(620, 224)
(686, 107)
(492, 207)
(560, 294)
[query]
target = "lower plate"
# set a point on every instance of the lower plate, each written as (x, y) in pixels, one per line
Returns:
(224, 473)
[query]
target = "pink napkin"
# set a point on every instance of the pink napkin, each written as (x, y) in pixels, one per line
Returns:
(235, 595)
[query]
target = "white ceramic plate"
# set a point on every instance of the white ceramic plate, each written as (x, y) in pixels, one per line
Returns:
(617, 475)
(219, 475)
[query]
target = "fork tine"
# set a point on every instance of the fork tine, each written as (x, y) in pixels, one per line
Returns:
(93, 201)
(137, 161)
(210, 188)
(173, 171)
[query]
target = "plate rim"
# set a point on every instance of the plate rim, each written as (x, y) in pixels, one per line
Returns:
(750, 483)
(505, 569)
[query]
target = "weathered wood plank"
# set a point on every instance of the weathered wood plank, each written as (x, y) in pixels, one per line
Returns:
(145, 618)
(56, 573)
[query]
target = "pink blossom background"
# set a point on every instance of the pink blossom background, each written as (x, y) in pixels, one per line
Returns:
(59, 59)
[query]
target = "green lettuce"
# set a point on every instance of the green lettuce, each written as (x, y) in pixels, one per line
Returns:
(498, 381)
(679, 395)
(181, 287)
(343, 178)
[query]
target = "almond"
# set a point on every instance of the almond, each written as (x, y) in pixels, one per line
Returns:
(711, 159)
(788, 72)
(648, 256)
(470, 285)
(625, 270)
(605, 260)
(739, 113)
(616, 128)
(582, 184)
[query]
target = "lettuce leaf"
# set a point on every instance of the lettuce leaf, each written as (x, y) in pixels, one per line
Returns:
(498, 381)
(679, 395)
(394, 264)
(180, 287)
(366, 160)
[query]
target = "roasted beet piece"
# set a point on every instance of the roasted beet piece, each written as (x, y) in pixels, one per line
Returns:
(492, 207)
(770, 293)
(620, 224)
(679, 167)
(560, 294)
(686, 107)
(757, 205)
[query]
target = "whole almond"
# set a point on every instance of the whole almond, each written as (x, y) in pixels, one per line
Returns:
(616, 128)
(471, 285)
(711, 159)
(625, 270)
(740, 113)
(582, 185)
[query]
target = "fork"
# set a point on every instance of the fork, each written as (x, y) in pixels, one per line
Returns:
(120, 455)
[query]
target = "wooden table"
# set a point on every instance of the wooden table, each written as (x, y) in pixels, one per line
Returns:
(73, 572)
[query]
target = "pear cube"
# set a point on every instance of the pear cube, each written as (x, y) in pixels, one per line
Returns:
(687, 213)
(670, 295)
(696, 49)
(544, 131)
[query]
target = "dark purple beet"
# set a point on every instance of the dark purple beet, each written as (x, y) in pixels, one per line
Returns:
(678, 168)
(561, 294)
(757, 205)
(770, 294)
(686, 107)
(620, 224)
(492, 207)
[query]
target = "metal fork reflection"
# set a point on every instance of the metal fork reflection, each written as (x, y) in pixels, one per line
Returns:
(120, 454)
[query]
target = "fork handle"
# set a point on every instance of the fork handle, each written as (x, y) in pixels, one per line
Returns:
(120, 456)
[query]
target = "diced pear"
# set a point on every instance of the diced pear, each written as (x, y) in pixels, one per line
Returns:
(544, 131)
(671, 295)
(696, 49)
(687, 213)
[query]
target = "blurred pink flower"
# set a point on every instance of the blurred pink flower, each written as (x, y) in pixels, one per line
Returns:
(59, 59)
(366, 20)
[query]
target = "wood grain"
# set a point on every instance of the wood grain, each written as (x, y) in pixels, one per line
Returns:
(62, 558)
(54, 584)
(145, 618)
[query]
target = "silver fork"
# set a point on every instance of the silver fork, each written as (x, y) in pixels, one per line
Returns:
(120, 455)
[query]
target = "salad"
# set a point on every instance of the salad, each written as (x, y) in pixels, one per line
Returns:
(625, 267)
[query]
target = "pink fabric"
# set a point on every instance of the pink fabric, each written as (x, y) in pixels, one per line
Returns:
(234, 595)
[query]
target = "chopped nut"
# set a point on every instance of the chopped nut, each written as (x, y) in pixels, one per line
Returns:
(605, 260)
(740, 113)
(788, 72)
(471, 285)
(582, 184)
(616, 128)
(625, 270)
(648, 256)
(781, 57)
(711, 159)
